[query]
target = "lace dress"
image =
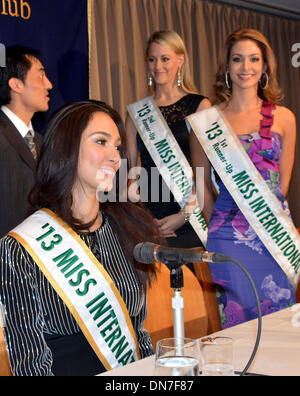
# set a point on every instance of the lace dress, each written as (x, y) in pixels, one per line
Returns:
(230, 233)
(175, 115)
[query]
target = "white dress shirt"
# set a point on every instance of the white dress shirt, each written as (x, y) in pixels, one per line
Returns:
(18, 123)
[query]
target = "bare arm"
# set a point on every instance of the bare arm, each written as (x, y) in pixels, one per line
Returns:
(288, 124)
(130, 143)
(203, 187)
(204, 104)
(199, 160)
(170, 224)
(132, 154)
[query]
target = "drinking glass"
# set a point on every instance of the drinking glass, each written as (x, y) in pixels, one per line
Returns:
(177, 357)
(217, 356)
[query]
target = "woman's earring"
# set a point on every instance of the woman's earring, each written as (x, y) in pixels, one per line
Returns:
(227, 76)
(267, 80)
(150, 80)
(179, 82)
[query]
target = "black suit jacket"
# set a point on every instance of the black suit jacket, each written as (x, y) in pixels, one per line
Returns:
(17, 175)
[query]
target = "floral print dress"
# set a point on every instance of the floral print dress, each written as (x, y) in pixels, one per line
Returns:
(230, 233)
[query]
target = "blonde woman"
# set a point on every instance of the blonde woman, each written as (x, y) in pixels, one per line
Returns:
(174, 92)
(248, 96)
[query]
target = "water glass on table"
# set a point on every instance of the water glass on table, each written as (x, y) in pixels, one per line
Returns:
(177, 357)
(217, 356)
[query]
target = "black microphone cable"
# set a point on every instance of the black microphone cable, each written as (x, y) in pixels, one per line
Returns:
(175, 258)
(221, 258)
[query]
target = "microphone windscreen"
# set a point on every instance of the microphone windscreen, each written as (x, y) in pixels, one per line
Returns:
(143, 252)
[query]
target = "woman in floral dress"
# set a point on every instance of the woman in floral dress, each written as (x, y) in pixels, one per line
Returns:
(248, 96)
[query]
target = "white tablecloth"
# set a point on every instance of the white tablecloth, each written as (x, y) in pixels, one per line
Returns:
(278, 353)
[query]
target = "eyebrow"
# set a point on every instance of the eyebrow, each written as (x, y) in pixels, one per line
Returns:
(105, 134)
(255, 53)
(153, 56)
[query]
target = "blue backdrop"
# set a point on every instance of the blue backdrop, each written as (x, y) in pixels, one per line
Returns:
(59, 30)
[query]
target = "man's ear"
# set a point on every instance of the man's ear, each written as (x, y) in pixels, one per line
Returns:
(16, 85)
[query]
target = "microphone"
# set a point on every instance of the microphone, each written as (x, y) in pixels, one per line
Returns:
(150, 253)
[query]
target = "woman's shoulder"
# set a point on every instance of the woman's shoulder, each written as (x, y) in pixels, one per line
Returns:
(12, 250)
(9, 241)
(196, 102)
(285, 114)
(285, 122)
(195, 97)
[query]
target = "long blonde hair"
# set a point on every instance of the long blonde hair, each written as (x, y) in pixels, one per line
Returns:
(272, 93)
(176, 44)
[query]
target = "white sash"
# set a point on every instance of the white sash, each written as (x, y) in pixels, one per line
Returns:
(83, 284)
(168, 158)
(251, 193)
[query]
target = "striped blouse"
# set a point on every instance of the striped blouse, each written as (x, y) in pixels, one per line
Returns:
(33, 311)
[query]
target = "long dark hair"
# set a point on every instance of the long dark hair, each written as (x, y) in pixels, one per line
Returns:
(56, 175)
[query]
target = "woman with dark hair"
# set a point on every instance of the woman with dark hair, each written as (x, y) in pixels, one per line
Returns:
(74, 298)
(242, 223)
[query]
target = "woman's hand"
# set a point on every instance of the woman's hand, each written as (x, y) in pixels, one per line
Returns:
(169, 224)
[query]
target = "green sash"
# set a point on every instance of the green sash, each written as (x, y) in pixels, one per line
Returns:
(83, 284)
(168, 158)
(251, 193)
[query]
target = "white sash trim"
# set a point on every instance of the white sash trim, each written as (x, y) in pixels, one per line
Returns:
(83, 284)
(168, 158)
(251, 193)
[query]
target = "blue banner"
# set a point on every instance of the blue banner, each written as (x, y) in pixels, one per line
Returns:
(59, 30)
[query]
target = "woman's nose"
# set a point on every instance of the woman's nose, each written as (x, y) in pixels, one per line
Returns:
(114, 156)
(246, 64)
(158, 64)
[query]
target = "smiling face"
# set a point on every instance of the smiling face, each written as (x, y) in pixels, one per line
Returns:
(163, 64)
(99, 156)
(246, 64)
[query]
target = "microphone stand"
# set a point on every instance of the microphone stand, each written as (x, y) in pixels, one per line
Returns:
(177, 302)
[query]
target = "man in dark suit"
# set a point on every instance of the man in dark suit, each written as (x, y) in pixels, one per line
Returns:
(24, 90)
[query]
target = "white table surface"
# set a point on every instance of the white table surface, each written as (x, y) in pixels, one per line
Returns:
(278, 353)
